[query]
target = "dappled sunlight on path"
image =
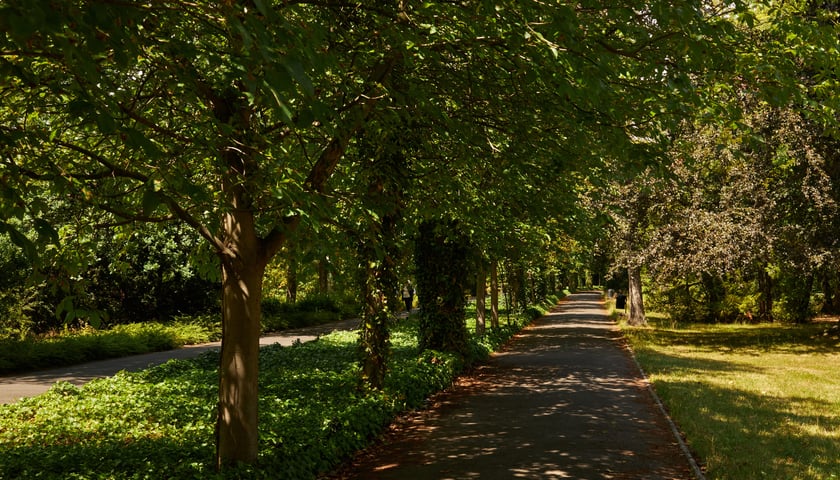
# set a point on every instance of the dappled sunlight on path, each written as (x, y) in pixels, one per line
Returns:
(564, 400)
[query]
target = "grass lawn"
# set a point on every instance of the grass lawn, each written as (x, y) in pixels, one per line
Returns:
(754, 401)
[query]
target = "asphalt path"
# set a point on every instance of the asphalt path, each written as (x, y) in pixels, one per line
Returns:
(15, 387)
(564, 400)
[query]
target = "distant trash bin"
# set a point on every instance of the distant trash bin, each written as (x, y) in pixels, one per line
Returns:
(621, 301)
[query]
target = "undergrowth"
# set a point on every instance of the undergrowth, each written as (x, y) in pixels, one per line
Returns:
(159, 423)
(88, 344)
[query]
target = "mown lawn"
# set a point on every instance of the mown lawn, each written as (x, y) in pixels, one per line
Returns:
(754, 401)
(159, 423)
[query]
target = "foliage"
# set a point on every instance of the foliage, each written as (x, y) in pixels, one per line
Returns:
(443, 266)
(89, 344)
(753, 401)
(313, 310)
(312, 413)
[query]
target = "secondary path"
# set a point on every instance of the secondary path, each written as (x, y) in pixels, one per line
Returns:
(564, 400)
(15, 387)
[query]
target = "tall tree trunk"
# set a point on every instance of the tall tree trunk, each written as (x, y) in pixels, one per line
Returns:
(637, 307)
(378, 283)
(765, 299)
(494, 295)
(442, 270)
(292, 278)
(242, 274)
(715, 294)
(323, 277)
(480, 299)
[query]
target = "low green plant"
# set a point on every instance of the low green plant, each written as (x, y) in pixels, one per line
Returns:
(159, 423)
(314, 310)
(754, 401)
(72, 347)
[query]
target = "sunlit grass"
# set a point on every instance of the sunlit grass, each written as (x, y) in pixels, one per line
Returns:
(754, 401)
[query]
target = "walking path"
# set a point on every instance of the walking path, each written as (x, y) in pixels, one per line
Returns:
(564, 400)
(13, 388)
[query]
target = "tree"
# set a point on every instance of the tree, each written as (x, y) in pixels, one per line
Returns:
(191, 112)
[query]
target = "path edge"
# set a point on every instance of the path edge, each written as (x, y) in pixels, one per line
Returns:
(698, 472)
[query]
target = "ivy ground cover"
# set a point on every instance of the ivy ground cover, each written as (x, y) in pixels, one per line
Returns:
(159, 423)
(754, 401)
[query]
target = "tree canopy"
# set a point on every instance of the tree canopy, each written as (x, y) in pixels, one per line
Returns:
(245, 121)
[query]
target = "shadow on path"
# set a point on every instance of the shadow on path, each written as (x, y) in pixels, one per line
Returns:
(564, 400)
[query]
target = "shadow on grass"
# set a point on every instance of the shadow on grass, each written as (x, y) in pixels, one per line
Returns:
(744, 434)
(754, 339)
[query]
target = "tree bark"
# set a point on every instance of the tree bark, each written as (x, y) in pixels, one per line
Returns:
(765, 299)
(494, 295)
(637, 308)
(323, 277)
(480, 299)
(242, 274)
(292, 278)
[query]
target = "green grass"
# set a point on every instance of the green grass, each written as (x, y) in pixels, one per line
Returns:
(754, 401)
(159, 423)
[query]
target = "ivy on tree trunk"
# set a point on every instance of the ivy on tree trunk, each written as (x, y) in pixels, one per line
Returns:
(443, 273)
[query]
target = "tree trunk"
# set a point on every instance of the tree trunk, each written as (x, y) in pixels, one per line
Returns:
(242, 274)
(378, 284)
(765, 299)
(291, 279)
(323, 277)
(494, 295)
(442, 269)
(637, 308)
(480, 299)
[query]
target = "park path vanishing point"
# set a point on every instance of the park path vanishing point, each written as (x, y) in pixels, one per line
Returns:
(565, 399)
(15, 387)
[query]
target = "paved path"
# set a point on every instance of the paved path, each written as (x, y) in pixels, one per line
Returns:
(564, 400)
(13, 388)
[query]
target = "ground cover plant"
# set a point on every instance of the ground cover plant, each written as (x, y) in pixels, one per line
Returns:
(88, 344)
(159, 423)
(754, 401)
(73, 346)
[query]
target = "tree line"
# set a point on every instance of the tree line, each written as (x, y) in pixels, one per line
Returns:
(464, 135)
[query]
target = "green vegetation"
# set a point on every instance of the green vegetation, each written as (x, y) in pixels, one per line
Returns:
(159, 423)
(179, 157)
(313, 310)
(89, 344)
(754, 401)
(71, 346)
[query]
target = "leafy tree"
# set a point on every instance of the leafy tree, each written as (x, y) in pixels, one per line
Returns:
(210, 114)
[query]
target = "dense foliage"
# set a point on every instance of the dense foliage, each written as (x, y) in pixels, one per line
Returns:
(159, 423)
(256, 125)
(443, 267)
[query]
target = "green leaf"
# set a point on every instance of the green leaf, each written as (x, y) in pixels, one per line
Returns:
(106, 123)
(65, 307)
(151, 201)
(46, 232)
